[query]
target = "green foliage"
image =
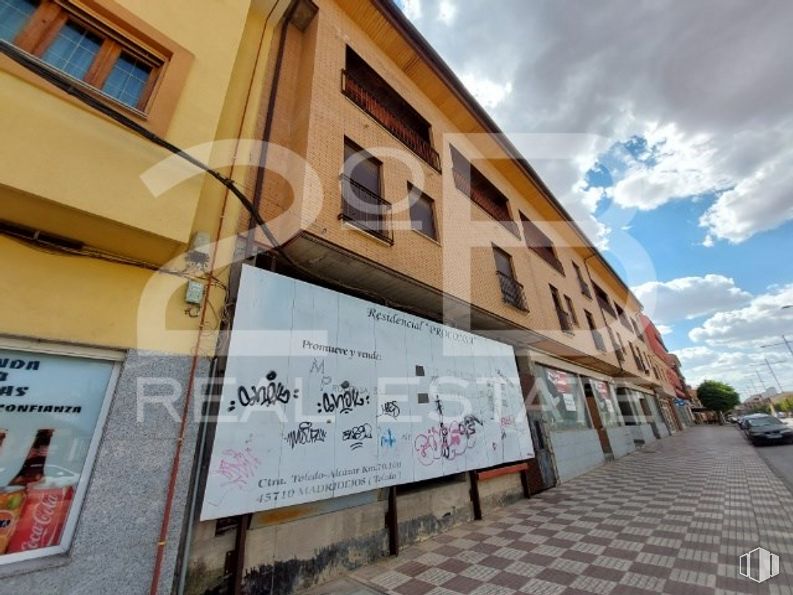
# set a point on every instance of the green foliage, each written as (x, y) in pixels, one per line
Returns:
(717, 396)
(785, 405)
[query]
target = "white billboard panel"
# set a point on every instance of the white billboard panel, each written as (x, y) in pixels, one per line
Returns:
(327, 395)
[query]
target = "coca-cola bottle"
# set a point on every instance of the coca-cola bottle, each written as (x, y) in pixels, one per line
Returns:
(33, 467)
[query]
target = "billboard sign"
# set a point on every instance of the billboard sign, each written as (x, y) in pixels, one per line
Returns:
(327, 395)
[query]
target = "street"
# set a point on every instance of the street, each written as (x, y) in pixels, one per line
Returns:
(673, 517)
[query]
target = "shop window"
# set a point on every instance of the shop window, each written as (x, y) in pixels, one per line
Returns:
(80, 47)
(562, 399)
(422, 213)
(52, 410)
(606, 401)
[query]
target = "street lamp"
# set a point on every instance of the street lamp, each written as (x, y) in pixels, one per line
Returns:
(785, 342)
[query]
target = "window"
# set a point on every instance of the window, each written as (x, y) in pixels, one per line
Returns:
(596, 336)
(581, 283)
(471, 182)
(422, 212)
(540, 243)
(622, 317)
(511, 290)
(636, 329)
(52, 410)
(571, 309)
(617, 351)
(603, 299)
(369, 91)
(564, 317)
(622, 345)
(562, 400)
(79, 47)
(362, 205)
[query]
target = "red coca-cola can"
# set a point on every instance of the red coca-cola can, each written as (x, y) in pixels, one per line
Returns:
(44, 515)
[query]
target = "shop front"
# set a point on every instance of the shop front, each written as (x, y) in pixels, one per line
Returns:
(575, 443)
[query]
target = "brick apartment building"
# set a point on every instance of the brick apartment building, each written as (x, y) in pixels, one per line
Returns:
(398, 188)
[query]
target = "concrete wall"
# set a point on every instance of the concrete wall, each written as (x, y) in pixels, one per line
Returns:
(621, 441)
(285, 553)
(576, 452)
(115, 543)
(642, 433)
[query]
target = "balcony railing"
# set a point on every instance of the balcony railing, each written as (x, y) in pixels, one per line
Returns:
(366, 210)
(620, 355)
(463, 183)
(584, 288)
(361, 97)
(599, 342)
(512, 291)
(606, 306)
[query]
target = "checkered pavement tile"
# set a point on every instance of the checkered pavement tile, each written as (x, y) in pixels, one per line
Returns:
(671, 518)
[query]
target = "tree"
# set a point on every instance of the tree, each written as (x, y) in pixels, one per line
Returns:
(717, 396)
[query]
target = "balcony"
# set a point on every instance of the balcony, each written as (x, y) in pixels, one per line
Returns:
(496, 209)
(584, 288)
(512, 292)
(366, 210)
(599, 342)
(620, 355)
(354, 89)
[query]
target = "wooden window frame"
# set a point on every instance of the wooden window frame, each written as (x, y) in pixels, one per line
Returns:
(571, 310)
(120, 30)
(413, 190)
(538, 242)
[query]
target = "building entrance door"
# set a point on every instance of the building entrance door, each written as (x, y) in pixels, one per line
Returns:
(597, 421)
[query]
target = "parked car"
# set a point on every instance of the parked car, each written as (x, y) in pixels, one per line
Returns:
(742, 421)
(767, 429)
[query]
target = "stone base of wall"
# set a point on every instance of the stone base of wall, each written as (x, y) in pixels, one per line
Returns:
(284, 554)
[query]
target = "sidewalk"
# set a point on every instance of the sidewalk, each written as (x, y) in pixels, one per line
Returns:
(671, 518)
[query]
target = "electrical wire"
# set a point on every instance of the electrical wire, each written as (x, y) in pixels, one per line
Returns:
(75, 90)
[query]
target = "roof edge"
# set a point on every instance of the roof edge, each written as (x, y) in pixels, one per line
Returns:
(398, 20)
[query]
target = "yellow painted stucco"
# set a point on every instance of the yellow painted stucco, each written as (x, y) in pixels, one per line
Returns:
(68, 171)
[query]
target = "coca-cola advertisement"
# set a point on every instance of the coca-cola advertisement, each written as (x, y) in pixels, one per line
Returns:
(49, 409)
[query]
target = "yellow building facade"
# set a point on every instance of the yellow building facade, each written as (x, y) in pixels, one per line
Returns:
(112, 249)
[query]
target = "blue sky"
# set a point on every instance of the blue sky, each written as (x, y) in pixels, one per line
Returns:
(681, 164)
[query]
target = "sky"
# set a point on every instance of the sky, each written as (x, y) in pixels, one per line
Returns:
(666, 129)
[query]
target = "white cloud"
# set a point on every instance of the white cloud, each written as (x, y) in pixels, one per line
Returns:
(487, 92)
(411, 8)
(689, 297)
(746, 371)
(762, 321)
(664, 329)
(675, 167)
(447, 11)
(717, 111)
